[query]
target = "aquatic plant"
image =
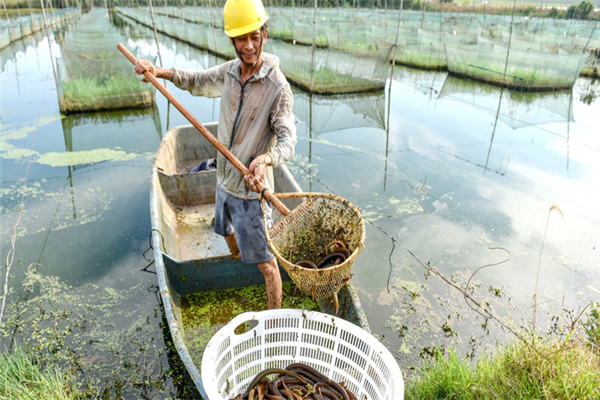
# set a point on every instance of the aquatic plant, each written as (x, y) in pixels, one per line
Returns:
(109, 350)
(204, 313)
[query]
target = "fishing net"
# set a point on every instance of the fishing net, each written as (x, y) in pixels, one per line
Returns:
(327, 71)
(308, 231)
(353, 46)
(92, 73)
(193, 26)
(13, 29)
(513, 67)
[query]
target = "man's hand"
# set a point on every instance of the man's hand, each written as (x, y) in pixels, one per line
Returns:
(142, 66)
(257, 169)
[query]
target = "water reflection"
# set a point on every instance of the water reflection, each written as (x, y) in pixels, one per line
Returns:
(129, 130)
(516, 109)
(78, 126)
(336, 112)
(330, 113)
(588, 90)
(114, 124)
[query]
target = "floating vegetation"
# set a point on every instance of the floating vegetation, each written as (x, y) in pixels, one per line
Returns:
(431, 325)
(48, 207)
(204, 313)
(84, 157)
(109, 348)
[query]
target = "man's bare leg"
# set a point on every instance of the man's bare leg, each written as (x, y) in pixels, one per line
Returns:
(270, 270)
(232, 244)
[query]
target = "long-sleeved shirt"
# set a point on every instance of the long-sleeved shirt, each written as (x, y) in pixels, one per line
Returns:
(255, 118)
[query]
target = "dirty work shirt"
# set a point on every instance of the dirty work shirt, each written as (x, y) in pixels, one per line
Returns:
(254, 119)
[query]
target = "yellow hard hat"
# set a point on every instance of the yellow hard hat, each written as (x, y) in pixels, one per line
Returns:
(243, 16)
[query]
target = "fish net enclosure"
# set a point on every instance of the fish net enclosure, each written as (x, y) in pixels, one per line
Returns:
(328, 71)
(515, 68)
(322, 69)
(196, 26)
(12, 29)
(92, 74)
(331, 50)
(424, 37)
(537, 53)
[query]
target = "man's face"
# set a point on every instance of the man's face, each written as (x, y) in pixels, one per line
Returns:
(249, 46)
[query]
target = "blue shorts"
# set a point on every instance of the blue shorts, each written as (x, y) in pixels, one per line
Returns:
(245, 219)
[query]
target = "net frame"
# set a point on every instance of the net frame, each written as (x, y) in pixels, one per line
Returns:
(337, 215)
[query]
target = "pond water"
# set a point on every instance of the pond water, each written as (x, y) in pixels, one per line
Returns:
(458, 183)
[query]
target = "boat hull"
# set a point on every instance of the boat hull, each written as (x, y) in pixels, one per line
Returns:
(189, 256)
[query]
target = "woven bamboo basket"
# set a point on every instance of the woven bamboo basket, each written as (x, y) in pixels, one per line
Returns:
(319, 220)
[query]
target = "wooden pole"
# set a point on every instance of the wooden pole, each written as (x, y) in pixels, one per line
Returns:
(267, 194)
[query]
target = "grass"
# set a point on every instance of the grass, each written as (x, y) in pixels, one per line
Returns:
(542, 369)
(22, 377)
(516, 77)
(117, 91)
(329, 81)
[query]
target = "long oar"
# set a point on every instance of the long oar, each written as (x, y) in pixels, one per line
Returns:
(209, 136)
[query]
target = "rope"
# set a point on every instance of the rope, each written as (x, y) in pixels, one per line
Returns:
(150, 247)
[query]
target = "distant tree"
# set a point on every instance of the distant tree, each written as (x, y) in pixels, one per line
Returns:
(582, 10)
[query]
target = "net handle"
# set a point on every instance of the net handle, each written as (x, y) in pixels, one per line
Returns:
(209, 136)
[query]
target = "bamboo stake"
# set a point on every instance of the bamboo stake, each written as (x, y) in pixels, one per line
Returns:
(312, 60)
(512, 20)
(49, 44)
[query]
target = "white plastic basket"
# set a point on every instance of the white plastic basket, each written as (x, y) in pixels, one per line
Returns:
(337, 348)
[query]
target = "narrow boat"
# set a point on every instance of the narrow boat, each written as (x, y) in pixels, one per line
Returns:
(192, 262)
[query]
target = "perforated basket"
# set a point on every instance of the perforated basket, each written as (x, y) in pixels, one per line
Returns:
(335, 347)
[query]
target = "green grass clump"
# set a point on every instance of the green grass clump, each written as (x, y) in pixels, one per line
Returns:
(21, 377)
(104, 93)
(329, 81)
(542, 370)
(591, 328)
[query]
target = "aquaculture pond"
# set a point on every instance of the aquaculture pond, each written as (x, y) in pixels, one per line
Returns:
(466, 190)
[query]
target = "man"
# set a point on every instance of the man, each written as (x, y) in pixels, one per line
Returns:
(256, 123)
